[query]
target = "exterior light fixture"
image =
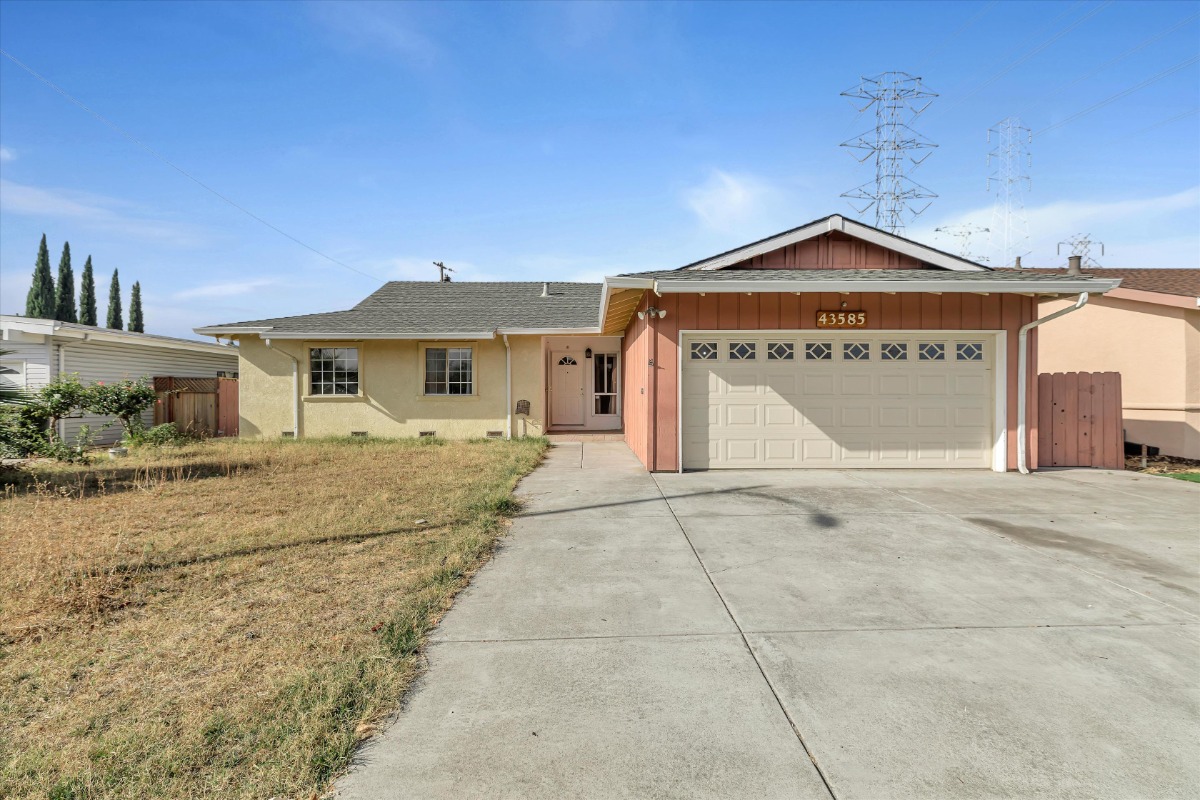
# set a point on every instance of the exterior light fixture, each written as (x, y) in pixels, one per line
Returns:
(652, 312)
(587, 353)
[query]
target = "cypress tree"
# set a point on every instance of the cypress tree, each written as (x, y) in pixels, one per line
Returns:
(40, 301)
(87, 295)
(136, 323)
(114, 304)
(64, 298)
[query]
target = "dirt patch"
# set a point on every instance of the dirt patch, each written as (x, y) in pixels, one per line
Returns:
(1163, 465)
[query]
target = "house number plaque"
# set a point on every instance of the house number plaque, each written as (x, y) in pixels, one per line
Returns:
(841, 319)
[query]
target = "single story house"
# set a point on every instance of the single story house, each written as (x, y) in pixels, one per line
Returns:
(834, 344)
(42, 349)
(1148, 329)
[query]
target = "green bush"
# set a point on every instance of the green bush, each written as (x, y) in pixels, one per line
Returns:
(165, 435)
(22, 430)
(125, 400)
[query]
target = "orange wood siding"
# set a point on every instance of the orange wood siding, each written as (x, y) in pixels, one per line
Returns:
(835, 251)
(654, 436)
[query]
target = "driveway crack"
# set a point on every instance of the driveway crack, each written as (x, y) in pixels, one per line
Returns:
(746, 643)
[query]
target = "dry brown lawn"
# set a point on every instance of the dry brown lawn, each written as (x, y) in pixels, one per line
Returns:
(231, 618)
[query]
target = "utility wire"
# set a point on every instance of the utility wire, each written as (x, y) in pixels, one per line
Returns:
(1159, 124)
(177, 168)
(1040, 48)
(1119, 95)
(957, 32)
(1137, 48)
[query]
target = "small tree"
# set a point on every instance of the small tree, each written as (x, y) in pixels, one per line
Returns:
(87, 295)
(40, 301)
(64, 298)
(125, 400)
(59, 399)
(114, 303)
(136, 323)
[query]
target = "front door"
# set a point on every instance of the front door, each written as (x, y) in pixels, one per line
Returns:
(567, 391)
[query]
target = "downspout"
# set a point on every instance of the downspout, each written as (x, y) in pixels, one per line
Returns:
(1023, 380)
(507, 389)
(295, 389)
(62, 371)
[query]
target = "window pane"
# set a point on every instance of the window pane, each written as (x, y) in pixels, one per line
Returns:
(333, 370)
(606, 404)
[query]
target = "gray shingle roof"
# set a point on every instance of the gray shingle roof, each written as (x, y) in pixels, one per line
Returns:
(429, 307)
(849, 275)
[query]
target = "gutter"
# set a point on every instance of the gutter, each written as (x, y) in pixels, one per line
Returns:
(1023, 379)
(1063, 286)
(507, 388)
(295, 389)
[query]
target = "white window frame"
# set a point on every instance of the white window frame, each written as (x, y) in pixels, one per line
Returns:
(615, 392)
(17, 365)
(448, 346)
(358, 361)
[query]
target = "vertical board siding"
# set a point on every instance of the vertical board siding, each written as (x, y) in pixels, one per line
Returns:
(834, 251)
(729, 311)
(1081, 422)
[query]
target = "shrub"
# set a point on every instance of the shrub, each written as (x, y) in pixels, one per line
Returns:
(167, 434)
(58, 399)
(125, 400)
(22, 430)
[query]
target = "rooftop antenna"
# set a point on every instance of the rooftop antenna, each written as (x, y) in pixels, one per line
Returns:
(1009, 179)
(898, 98)
(442, 270)
(1081, 245)
(963, 233)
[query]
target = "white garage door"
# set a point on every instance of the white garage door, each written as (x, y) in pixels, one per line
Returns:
(838, 399)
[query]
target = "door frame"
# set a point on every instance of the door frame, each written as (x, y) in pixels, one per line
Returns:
(555, 357)
(577, 346)
(999, 389)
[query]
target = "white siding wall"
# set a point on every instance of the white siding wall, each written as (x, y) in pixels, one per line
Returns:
(105, 361)
(34, 355)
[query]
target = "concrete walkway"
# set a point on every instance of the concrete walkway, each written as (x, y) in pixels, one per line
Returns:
(814, 635)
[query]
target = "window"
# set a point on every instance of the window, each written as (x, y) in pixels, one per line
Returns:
(931, 351)
(856, 351)
(333, 370)
(12, 375)
(969, 351)
(781, 351)
(742, 351)
(818, 351)
(894, 351)
(449, 370)
(704, 351)
(567, 361)
(604, 385)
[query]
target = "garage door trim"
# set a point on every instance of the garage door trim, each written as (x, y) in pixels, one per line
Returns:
(999, 392)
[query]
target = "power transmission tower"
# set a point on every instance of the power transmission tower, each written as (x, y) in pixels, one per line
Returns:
(1009, 161)
(964, 233)
(1081, 245)
(898, 98)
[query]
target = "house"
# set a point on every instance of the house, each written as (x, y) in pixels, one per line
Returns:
(42, 349)
(1148, 329)
(834, 344)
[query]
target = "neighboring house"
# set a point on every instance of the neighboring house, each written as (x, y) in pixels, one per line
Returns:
(1149, 331)
(43, 349)
(834, 344)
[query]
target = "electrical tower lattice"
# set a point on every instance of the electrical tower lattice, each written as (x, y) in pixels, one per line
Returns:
(898, 99)
(1009, 161)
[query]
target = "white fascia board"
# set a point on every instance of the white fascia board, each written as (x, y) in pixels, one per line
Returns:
(856, 229)
(618, 282)
(548, 331)
(1065, 286)
(227, 330)
(142, 340)
(330, 337)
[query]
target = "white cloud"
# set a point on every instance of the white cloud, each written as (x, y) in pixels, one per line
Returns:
(96, 212)
(728, 203)
(1140, 232)
(376, 26)
(7, 154)
(226, 289)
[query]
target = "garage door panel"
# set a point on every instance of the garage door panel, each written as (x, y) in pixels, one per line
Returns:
(879, 400)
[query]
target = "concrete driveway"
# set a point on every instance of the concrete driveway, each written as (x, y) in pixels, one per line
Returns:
(795, 634)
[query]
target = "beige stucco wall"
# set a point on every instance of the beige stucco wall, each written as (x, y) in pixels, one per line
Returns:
(391, 403)
(1156, 348)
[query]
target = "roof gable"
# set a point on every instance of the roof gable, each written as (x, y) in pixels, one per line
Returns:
(907, 250)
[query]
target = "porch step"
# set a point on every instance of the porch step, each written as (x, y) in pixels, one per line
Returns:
(585, 436)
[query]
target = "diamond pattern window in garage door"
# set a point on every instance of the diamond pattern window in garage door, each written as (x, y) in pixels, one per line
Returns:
(854, 400)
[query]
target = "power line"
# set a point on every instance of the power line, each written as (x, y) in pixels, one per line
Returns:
(1040, 48)
(1135, 49)
(958, 32)
(1165, 73)
(178, 169)
(1159, 124)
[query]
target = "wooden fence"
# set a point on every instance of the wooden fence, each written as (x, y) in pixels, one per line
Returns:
(1079, 420)
(207, 406)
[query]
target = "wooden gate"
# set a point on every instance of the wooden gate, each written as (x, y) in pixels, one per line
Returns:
(1079, 420)
(197, 405)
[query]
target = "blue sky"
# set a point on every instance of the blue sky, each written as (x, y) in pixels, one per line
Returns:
(556, 141)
